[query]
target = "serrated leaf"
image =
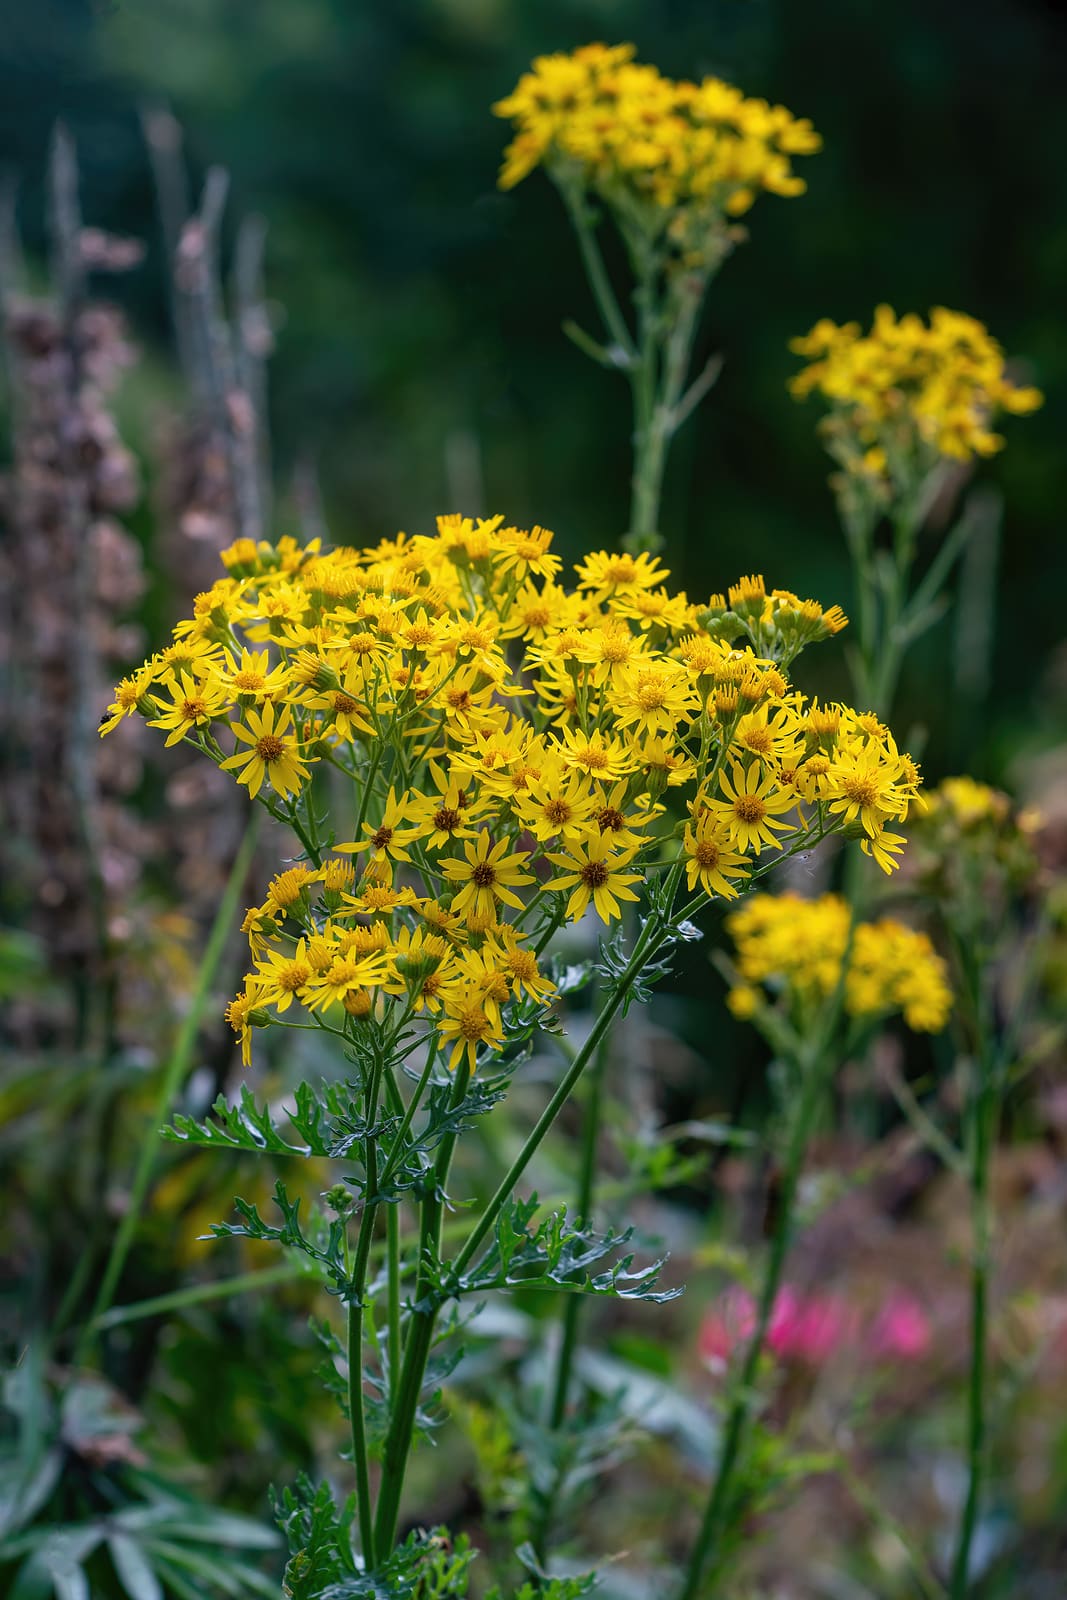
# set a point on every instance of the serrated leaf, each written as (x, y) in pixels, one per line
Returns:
(248, 1126)
(555, 1253)
(321, 1241)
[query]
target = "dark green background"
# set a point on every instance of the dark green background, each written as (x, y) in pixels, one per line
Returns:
(418, 305)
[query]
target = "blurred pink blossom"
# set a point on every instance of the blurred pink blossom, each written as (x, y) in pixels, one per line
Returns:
(901, 1329)
(731, 1322)
(811, 1327)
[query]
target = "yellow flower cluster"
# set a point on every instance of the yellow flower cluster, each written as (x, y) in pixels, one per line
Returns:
(909, 391)
(626, 130)
(797, 946)
(974, 846)
(498, 753)
(968, 803)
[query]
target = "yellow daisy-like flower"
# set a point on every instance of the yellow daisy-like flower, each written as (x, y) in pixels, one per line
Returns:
(656, 697)
(864, 789)
(488, 875)
(712, 860)
(254, 677)
(561, 808)
(619, 826)
(274, 754)
(281, 978)
(388, 839)
(344, 705)
(466, 1025)
(885, 849)
(519, 553)
(519, 965)
(130, 696)
(752, 805)
(593, 871)
(449, 814)
(346, 975)
(240, 1016)
(605, 573)
(196, 704)
(596, 753)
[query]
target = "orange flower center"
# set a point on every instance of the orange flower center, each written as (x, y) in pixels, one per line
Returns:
(862, 790)
(749, 808)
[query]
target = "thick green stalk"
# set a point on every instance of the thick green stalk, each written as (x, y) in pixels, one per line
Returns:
(596, 272)
(646, 946)
(658, 380)
(356, 1309)
(423, 1318)
(392, 1234)
(407, 1383)
(173, 1077)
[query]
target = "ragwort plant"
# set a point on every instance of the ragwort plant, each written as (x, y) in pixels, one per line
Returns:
(470, 755)
(909, 404)
(817, 984)
(675, 165)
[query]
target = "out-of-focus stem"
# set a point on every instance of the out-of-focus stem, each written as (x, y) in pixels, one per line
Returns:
(659, 379)
(596, 272)
(815, 1066)
(699, 1579)
(174, 1076)
(984, 1116)
(983, 1107)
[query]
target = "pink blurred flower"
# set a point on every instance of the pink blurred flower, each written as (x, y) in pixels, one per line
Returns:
(729, 1323)
(901, 1329)
(809, 1328)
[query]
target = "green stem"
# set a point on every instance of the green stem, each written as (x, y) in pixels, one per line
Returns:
(174, 1076)
(596, 272)
(408, 1385)
(356, 1311)
(392, 1225)
(859, 532)
(659, 381)
(984, 1119)
(645, 947)
(572, 1309)
(195, 1294)
(424, 1312)
(583, 1207)
(392, 1161)
(816, 1067)
(719, 1507)
(360, 1455)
